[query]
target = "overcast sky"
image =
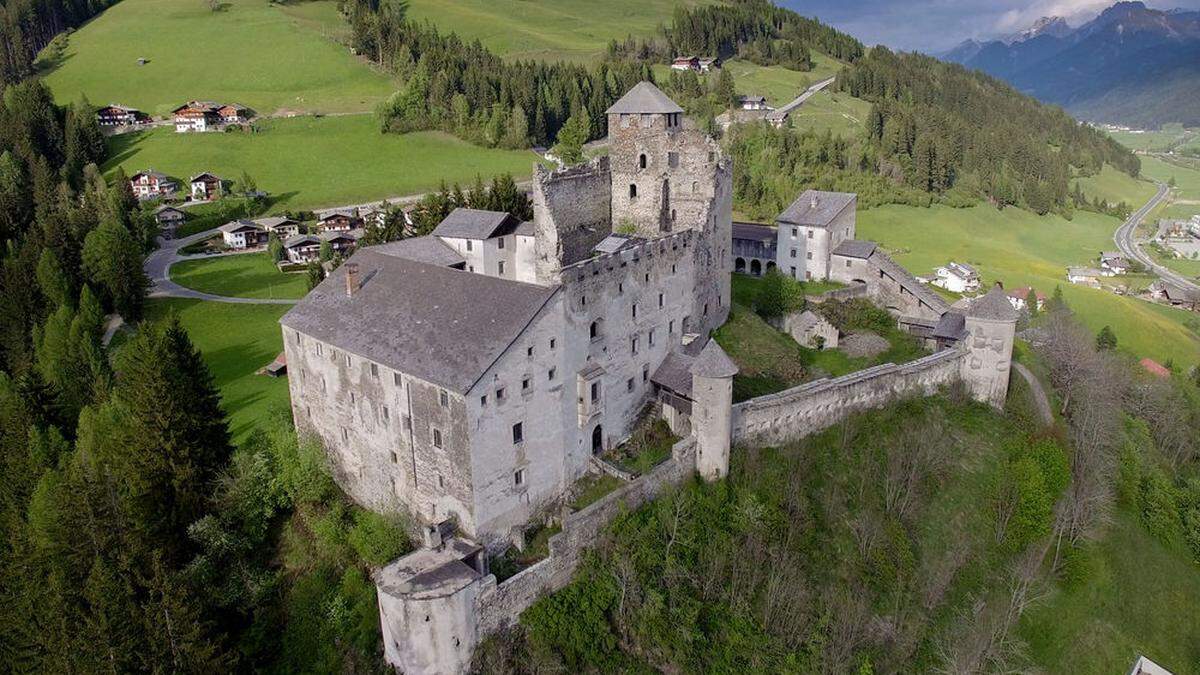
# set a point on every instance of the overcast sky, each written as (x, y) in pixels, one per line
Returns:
(933, 25)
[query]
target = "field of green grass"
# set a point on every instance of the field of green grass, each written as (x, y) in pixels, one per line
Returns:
(1187, 180)
(1116, 187)
(1169, 137)
(839, 113)
(1143, 598)
(547, 30)
(307, 162)
(248, 275)
(236, 341)
(780, 85)
(249, 51)
(1020, 248)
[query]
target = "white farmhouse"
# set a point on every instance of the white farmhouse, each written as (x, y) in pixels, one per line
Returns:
(957, 278)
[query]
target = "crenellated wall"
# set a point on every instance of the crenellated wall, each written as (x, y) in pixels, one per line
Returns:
(571, 214)
(808, 408)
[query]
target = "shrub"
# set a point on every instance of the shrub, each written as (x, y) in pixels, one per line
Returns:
(376, 539)
(1157, 507)
(778, 296)
(1079, 565)
(857, 314)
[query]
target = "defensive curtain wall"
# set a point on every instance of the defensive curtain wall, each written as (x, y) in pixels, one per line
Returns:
(440, 635)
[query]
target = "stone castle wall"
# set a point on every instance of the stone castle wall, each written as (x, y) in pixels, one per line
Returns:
(808, 408)
(571, 214)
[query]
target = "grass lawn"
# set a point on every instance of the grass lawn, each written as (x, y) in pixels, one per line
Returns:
(235, 340)
(590, 488)
(1142, 598)
(1168, 137)
(837, 112)
(1020, 248)
(1117, 187)
(308, 162)
(250, 52)
(246, 275)
(548, 30)
(1187, 180)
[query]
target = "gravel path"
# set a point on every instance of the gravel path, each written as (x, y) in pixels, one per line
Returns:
(1039, 393)
(158, 269)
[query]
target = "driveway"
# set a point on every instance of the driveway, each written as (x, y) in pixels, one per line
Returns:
(158, 269)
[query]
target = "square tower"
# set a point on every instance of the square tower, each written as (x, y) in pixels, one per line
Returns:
(646, 155)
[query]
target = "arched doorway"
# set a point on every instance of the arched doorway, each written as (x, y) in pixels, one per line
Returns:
(755, 268)
(597, 440)
(739, 265)
(771, 266)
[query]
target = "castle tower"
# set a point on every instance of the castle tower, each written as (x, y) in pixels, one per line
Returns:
(991, 324)
(648, 169)
(712, 415)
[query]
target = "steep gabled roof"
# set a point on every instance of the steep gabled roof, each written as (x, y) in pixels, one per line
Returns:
(475, 224)
(236, 225)
(442, 325)
(855, 248)
(644, 98)
(427, 249)
(814, 208)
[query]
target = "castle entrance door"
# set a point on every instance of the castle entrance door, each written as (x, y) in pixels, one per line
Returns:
(597, 440)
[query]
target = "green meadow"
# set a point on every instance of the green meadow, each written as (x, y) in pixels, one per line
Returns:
(235, 341)
(780, 85)
(248, 51)
(547, 30)
(1020, 248)
(1169, 137)
(246, 275)
(1117, 186)
(307, 162)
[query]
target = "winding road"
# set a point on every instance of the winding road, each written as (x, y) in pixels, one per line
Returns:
(158, 269)
(1130, 246)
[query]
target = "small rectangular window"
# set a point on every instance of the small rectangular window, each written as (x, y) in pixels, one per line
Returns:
(527, 384)
(629, 384)
(662, 299)
(550, 375)
(407, 423)
(348, 363)
(500, 394)
(518, 432)
(645, 372)
(553, 342)
(671, 327)
(633, 344)
(345, 434)
(810, 234)
(437, 438)
(441, 481)
(595, 392)
(635, 310)
(396, 380)
(386, 413)
(483, 400)
(673, 160)
(444, 398)
(793, 253)
(529, 352)
(395, 459)
(352, 398)
(469, 244)
(500, 267)
(500, 243)
(519, 477)
(808, 255)
(650, 337)
(374, 370)
(795, 232)
(318, 349)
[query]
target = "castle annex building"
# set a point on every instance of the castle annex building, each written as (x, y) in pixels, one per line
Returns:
(470, 375)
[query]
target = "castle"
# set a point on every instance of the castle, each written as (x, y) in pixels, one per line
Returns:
(468, 377)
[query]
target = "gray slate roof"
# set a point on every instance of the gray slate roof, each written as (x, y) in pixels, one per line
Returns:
(814, 208)
(475, 224)
(855, 248)
(993, 306)
(644, 98)
(442, 325)
(754, 232)
(905, 278)
(525, 229)
(300, 239)
(675, 373)
(950, 326)
(427, 249)
(272, 222)
(713, 362)
(614, 242)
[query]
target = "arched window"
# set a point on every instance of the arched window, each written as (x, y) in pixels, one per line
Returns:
(633, 191)
(642, 161)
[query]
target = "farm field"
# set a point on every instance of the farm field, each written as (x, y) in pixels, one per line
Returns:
(307, 162)
(547, 30)
(235, 341)
(1167, 138)
(1020, 248)
(254, 53)
(247, 275)
(1187, 181)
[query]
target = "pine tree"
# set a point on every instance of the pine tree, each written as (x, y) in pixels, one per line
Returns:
(112, 261)
(315, 274)
(572, 136)
(1106, 339)
(325, 253)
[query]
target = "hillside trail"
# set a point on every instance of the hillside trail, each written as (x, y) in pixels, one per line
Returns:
(1040, 400)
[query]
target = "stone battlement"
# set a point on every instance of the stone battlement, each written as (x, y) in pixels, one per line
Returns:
(608, 262)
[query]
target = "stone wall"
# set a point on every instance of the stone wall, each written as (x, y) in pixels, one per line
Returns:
(499, 605)
(811, 407)
(571, 214)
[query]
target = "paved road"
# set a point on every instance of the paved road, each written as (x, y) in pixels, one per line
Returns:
(1040, 400)
(158, 268)
(799, 100)
(1129, 245)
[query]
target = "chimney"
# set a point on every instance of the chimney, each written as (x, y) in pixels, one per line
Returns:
(815, 201)
(352, 283)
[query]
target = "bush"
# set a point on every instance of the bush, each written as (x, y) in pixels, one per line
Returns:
(857, 314)
(1079, 564)
(1157, 507)
(376, 539)
(778, 296)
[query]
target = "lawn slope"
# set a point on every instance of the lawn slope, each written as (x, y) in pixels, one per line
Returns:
(246, 275)
(249, 52)
(312, 162)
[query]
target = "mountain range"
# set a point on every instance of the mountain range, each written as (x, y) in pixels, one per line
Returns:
(1130, 65)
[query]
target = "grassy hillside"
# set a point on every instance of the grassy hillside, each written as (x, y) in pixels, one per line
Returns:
(572, 30)
(777, 83)
(1142, 598)
(312, 162)
(1020, 248)
(250, 52)
(1116, 187)
(249, 275)
(1165, 139)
